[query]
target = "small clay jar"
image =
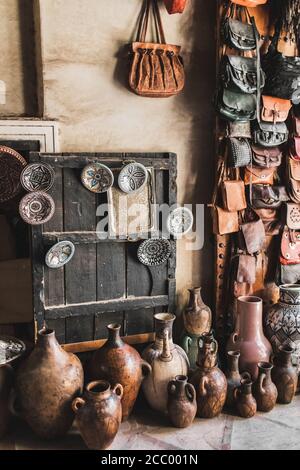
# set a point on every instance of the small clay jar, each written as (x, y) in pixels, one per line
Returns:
(182, 405)
(264, 390)
(99, 414)
(233, 376)
(245, 402)
(284, 375)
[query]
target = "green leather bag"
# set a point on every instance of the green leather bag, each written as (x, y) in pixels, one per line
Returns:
(236, 106)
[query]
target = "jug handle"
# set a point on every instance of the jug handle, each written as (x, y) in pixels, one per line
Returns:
(186, 343)
(146, 368)
(190, 392)
(246, 375)
(216, 347)
(202, 389)
(234, 336)
(77, 404)
(261, 379)
(236, 393)
(118, 390)
(171, 387)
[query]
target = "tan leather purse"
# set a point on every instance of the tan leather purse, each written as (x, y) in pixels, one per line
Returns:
(256, 175)
(275, 109)
(233, 195)
(157, 68)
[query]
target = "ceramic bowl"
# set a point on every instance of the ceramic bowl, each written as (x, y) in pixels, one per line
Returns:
(180, 221)
(37, 177)
(97, 178)
(11, 166)
(10, 349)
(60, 254)
(132, 177)
(36, 208)
(154, 251)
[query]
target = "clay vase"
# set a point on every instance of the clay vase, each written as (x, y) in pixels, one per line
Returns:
(245, 402)
(167, 360)
(233, 376)
(209, 381)
(99, 414)
(46, 384)
(282, 320)
(182, 405)
(284, 375)
(264, 390)
(248, 336)
(118, 362)
(6, 383)
(197, 317)
(189, 344)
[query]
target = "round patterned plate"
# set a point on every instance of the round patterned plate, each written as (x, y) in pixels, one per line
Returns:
(10, 349)
(154, 251)
(180, 221)
(37, 208)
(60, 254)
(132, 177)
(97, 177)
(37, 177)
(11, 166)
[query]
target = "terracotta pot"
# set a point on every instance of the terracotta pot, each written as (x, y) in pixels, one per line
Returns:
(6, 383)
(118, 362)
(282, 320)
(167, 360)
(248, 337)
(99, 414)
(197, 317)
(182, 405)
(175, 6)
(284, 375)
(245, 401)
(46, 384)
(233, 376)
(264, 390)
(209, 381)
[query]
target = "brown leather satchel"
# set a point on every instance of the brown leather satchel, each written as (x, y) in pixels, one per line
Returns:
(157, 68)
(271, 219)
(266, 156)
(290, 247)
(256, 175)
(233, 194)
(292, 215)
(246, 269)
(252, 234)
(275, 109)
(295, 148)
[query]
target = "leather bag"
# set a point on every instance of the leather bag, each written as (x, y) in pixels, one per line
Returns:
(249, 3)
(236, 106)
(266, 157)
(236, 33)
(252, 234)
(246, 269)
(239, 152)
(294, 169)
(268, 134)
(292, 215)
(175, 6)
(271, 220)
(240, 74)
(289, 274)
(256, 175)
(157, 68)
(296, 126)
(238, 129)
(290, 246)
(294, 147)
(266, 196)
(293, 179)
(224, 222)
(275, 109)
(233, 195)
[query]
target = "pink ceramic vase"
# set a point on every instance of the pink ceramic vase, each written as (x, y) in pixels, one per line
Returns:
(248, 336)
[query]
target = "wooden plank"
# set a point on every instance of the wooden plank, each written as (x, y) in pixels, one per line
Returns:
(105, 318)
(139, 279)
(79, 328)
(80, 275)
(87, 346)
(93, 308)
(59, 326)
(139, 321)
(111, 271)
(77, 237)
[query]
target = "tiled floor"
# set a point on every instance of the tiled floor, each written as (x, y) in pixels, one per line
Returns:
(279, 429)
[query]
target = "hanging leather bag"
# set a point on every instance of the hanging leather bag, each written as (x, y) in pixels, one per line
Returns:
(269, 134)
(266, 157)
(296, 126)
(292, 215)
(290, 246)
(252, 233)
(240, 74)
(293, 179)
(249, 3)
(271, 220)
(294, 147)
(239, 129)
(239, 152)
(157, 68)
(245, 268)
(175, 6)
(236, 106)
(275, 109)
(256, 175)
(233, 194)
(236, 29)
(266, 197)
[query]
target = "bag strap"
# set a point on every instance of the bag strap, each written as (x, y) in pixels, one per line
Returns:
(144, 22)
(158, 21)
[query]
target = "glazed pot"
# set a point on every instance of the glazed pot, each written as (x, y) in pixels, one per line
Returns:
(284, 375)
(264, 390)
(118, 362)
(233, 376)
(197, 317)
(248, 337)
(46, 384)
(182, 405)
(99, 414)
(282, 320)
(6, 383)
(167, 360)
(245, 402)
(209, 381)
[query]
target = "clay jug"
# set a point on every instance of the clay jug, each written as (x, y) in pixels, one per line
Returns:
(118, 362)
(233, 376)
(182, 405)
(99, 414)
(284, 375)
(209, 381)
(264, 390)
(6, 382)
(248, 337)
(245, 401)
(167, 360)
(189, 344)
(46, 384)
(197, 316)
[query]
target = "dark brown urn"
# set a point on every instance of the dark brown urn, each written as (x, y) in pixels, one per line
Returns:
(6, 382)
(182, 405)
(46, 384)
(245, 402)
(284, 375)
(264, 390)
(233, 376)
(99, 414)
(119, 363)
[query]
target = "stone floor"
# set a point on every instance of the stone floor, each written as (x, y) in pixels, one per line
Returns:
(279, 429)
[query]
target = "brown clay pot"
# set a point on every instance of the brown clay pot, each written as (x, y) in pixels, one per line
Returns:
(233, 376)
(46, 384)
(118, 362)
(264, 390)
(182, 405)
(284, 375)
(99, 414)
(6, 382)
(197, 316)
(245, 402)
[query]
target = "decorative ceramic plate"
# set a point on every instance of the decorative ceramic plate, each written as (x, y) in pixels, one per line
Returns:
(11, 166)
(132, 177)
(60, 254)
(180, 221)
(10, 349)
(154, 251)
(37, 208)
(37, 177)
(97, 177)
